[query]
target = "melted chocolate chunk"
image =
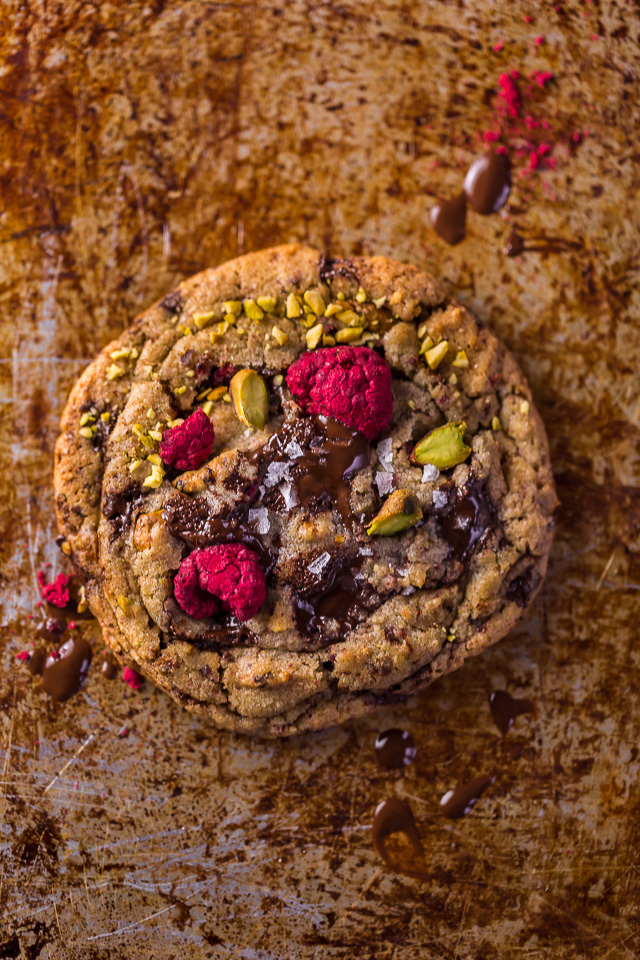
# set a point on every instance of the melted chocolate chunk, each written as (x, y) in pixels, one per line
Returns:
(449, 219)
(394, 816)
(459, 802)
(109, 669)
(505, 709)
(395, 749)
(64, 673)
(464, 517)
(334, 597)
(50, 628)
(37, 661)
(330, 267)
(520, 589)
(488, 182)
(172, 303)
(119, 508)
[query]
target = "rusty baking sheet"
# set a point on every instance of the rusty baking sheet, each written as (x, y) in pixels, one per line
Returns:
(142, 142)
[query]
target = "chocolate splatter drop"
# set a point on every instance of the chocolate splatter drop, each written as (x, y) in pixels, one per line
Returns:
(449, 219)
(459, 802)
(395, 749)
(505, 709)
(488, 182)
(64, 674)
(394, 816)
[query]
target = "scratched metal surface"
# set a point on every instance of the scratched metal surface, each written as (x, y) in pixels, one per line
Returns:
(142, 142)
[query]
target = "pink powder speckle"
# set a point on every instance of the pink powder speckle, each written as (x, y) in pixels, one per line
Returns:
(491, 136)
(23, 655)
(499, 46)
(531, 123)
(133, 678)
(538, 41)
(509, 94)
(527, 19)
(542, 77)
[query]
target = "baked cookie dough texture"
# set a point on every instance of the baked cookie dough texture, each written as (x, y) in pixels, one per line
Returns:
(386, 559)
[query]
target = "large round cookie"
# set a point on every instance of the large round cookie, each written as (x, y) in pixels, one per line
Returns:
(370, 594)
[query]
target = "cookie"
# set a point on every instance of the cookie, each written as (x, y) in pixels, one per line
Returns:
(300, 488)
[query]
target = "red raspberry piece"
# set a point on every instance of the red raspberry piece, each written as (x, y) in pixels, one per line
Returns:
(188, 445)
(350, 384)
(229, 571)
(56, 593)
(133, 678)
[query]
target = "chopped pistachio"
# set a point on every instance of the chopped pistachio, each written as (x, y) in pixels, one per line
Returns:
(86, 432)
(144, 439)
(453, 379)
(230, 320)
(426, 344)
(436, 355)
(155, 435)
(350, 317)
(495, 423)
(65, 546)
(399, 512)
(341, 296)
(461, 359)
(82, 594)
(175, 423)
(249, 398)
(361, 296)
(214, 337)
(120, 354)
(294, 307)
(314, 335)
(203, 394)
(316, 301)
(134, 353)
(524, 407)
(221, 329)
(442, 447)
(268, 304)
(380, 302)
(155, 478)
(190, 373)
(411, 405)
(134, 465)
(217, 393)
(155, 458)
(226, 397)
(348, 334)
(280, 336)
(309, 321)
(232, 306)
(422, 329)
(328, 341)
(252, 310)
(180, 390)
(105, 417)
(202, 319)
(114, 371)
(125, 604)
(277, 380)
(339, 538)
(151, 414)
(86, 418)
(332, 309)
(207, 407)
(368, 335)
(396, 298)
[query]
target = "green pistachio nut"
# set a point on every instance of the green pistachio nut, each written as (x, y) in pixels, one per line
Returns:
(443, 447)
(399, 512)
(249, 398)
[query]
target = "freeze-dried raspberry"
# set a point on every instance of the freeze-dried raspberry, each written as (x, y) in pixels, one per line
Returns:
(189, 594)
(188, 445)
(350, 384)
(133, 678)
(56, 593)
(227, 571)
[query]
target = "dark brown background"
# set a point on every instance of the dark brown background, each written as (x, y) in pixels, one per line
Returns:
(141, 142)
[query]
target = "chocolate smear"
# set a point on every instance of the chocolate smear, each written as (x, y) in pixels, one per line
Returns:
(449, 219)
(65, 672)
(394, 816)
(395, 749)
(505, 709)
(464, 516)
(459, 802)
(37, 660)
(488, 182)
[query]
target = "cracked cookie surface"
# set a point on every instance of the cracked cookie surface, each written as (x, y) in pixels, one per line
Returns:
(387, 559)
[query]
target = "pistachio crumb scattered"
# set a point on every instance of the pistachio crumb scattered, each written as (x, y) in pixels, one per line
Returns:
(341, 296)
(135, 353)
(396, 297)
(328, 341)
(190, 373)
(207, 407)
(280, 336)
(422, 329)
(436, 355)
(86, 418)
(314, 335)
(155, 478)
(380, 302)
(332, 309)
(252, 310)
(411, 405)
(155, 458)
(524, 407)
(399, 512)
(348, 334)
(217, 393)
(461, 359)
(350, 317)
(495, 423)
(180, 390)
(125, 604)
(120, 354)
(426, 344)
(65, 546)
(453, 379)
(278, 380)
(86, 432)
(202, 319)
(316, 301)
(151, 414)
(215, 337)
(339, 538)
(105, 417)
(268, 304)
(114, 371)
(361, 296)
(134, 465)
(232, 306)
(293, 306)
(155, 435)
(203, 394)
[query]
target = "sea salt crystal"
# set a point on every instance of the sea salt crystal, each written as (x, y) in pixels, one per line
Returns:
(365, 552)
(319, 563)
(408, 591)
(293, 449)
(289, 495)
(385, 452)
(430, 472)
(261, 519)
(384, 482)
(439, 499)
(276, 473)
